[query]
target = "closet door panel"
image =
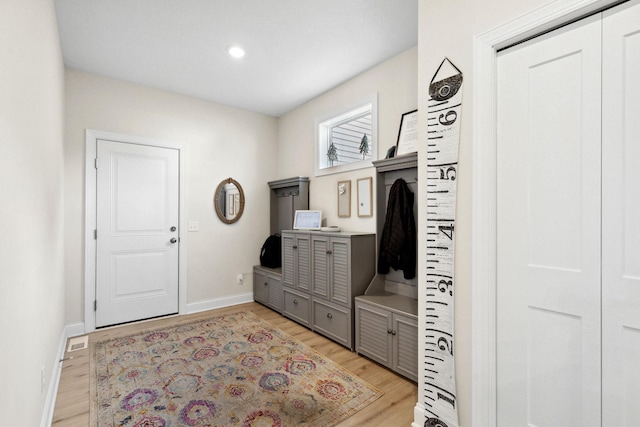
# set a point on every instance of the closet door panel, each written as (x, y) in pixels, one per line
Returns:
(621, 216)
(548, 290)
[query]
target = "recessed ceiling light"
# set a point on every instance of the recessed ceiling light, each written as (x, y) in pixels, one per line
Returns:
(235, 51)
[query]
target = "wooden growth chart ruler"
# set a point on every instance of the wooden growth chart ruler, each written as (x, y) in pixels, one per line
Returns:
(443, 136)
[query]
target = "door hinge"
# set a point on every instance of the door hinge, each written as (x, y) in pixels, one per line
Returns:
(95, 234)
(95, 305)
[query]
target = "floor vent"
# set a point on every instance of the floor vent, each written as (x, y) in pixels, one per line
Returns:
(78, 343)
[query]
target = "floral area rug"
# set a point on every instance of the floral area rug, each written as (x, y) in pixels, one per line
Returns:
(230, 370)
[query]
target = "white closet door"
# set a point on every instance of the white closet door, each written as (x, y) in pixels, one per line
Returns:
(621, 217)
(548, 290)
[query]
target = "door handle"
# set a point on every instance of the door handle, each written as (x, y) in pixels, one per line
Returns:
(173, 240)
(173, 228)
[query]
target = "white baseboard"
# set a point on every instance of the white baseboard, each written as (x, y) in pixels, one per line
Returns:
(221, 302)
(418, 416)
(74, 330)
(50, 402)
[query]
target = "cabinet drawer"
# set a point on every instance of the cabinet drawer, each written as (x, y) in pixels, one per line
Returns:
(297, 307)
(333, 322)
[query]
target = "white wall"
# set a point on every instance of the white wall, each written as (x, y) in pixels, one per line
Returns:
(31, 206)
(221, 142)
(447, 28)
(395, 81)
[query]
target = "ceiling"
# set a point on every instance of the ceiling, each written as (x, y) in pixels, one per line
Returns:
(295, 49)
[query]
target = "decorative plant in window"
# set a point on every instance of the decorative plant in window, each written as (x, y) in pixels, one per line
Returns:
(347, 139)
(364, 146)
(332, 154)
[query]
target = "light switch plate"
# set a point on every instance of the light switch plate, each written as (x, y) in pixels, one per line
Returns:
(194, 226)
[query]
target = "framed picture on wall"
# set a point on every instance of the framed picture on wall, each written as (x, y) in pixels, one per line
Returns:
(408, 134)
(344, 199)
(365, 194)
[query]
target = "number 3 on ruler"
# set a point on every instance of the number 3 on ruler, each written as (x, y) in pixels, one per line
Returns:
(449, 174)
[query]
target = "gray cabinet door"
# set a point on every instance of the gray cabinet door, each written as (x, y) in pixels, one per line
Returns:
(260, 287)
(288, 260)
(405, 346)
(332, 269)
(373, 338)
(340, 271)
(267, 288)
(320, 251)
(274, 291)
(303, 262)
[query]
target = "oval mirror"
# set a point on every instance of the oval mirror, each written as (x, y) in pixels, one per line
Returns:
(229, 201)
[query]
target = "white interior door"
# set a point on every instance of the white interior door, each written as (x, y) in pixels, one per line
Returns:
(548, 242)
(137, 232)
(621, 217)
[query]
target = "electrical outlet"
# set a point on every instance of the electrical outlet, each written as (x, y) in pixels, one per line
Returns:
(194, 226)
(240, 279)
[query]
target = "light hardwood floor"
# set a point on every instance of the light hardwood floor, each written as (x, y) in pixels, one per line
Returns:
(394, 408)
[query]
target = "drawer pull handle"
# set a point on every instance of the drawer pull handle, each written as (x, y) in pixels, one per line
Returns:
(295, 301)
(329, 252)
(330, 316)
(389, 331)
(393, 332)
(295, 247)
